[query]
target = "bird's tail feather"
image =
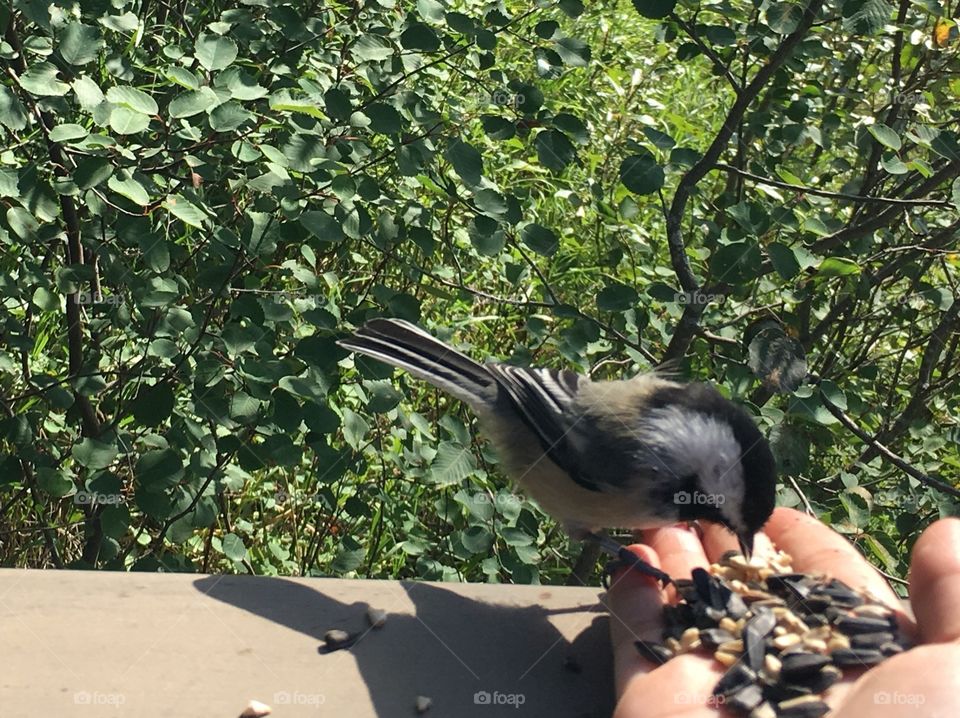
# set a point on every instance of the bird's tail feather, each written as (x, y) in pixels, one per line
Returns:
(402, 344)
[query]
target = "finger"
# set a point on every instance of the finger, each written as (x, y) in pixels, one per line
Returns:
(679, 549)
(920, 682)
(816, 548)
(682, 687)
(635, 604)
(717, 541)
(935, 582)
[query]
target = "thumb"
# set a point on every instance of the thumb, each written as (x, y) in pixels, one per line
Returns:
(935, 582)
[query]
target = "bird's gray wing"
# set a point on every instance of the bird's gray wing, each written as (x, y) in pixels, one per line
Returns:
(546, 401)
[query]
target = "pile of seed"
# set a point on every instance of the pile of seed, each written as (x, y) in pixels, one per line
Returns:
(784, 637)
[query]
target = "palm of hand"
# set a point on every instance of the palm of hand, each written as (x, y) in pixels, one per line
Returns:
(921, 682)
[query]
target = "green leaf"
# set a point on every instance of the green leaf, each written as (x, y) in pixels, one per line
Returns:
(837, 267)
(215, 52)
(322, 226)
(466, 160)
(188, 104)
(384, 119)
(554, 150)
(94, 453)
(477, 539)
(784, 260)
(573, 52)
(41, 80)
(23, 223)
(355, 428)
(885, 136)
(9, 183)
(617, 298)
(158, 469)
(784, 17)
(79, 43)
(184, 210)
(125, 121)
(654, 9)
(153, 404)
(452, 464)
(866, 17)
(641, 174)
(65, 133)
(135, 99)
(12, 114)
(540, 239)
(54, 482)
(124, 184)
(91, 171)
(232, 547)
(419, 37)
(946, 145)
(736, 263)
(46, 301)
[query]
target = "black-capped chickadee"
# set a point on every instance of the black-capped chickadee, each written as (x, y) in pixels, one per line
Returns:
(635, 453)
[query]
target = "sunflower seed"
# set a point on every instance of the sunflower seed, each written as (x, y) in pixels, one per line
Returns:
(733, 680)
(872, 611)
(803, 707)
(654, 652)
(256, 709)
(891, 649)
(764, 710)
(800, 665)
(727, 659)
(754, 633)
(861, 624)
(786, 641)
(423, 704)
(856, 657)
(713, 637)
(772, 666)
(745, 699)
(377, 617)
(870, 640)
(336, 639)
(826, 677)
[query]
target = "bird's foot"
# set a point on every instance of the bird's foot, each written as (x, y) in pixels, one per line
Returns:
(626, 559)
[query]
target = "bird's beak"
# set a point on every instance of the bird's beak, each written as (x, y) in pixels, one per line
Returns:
(746, 544)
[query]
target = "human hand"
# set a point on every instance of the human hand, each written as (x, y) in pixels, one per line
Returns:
(923, 681)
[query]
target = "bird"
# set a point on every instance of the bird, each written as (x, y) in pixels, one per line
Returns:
(637, 453)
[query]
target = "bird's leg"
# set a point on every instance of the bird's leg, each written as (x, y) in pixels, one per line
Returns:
(622, 556)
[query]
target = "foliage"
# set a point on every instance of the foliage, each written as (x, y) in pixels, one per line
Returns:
(196, 200)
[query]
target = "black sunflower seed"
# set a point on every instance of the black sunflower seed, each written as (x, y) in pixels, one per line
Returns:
(745, 699)
(754, 633)
(653, 651)
(870, 640)
(736, 677)
(854, 657)
(713, 637)
(891, 649)
(852, 625)
(804, 707)
(800, 665)
(820, 681)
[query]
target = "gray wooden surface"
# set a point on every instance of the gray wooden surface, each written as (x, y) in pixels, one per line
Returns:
(125, 645)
